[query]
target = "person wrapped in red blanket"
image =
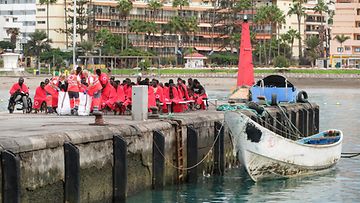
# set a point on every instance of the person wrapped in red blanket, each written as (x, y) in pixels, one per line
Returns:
(19, 91)
(40, 97)
(171, 95)
(108, 95)
(199, 94)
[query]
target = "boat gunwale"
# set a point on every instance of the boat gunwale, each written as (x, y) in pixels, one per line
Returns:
(294, 141)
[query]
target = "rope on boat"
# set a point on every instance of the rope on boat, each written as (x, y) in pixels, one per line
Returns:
(195, 165)
(349, 154)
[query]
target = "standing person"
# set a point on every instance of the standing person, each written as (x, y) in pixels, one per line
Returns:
(103, 77)
(40, 97)
(199, 94)
(94, 90)
(19, 91)
(74, 84)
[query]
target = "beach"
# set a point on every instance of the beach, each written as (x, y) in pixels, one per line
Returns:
(214, 83)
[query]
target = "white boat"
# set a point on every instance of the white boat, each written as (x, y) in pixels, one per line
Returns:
(267, 155)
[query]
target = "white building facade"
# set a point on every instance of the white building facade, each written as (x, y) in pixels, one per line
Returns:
(19, 14)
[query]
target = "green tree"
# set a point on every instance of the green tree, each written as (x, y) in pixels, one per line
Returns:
(47, 2)
(279, 19)
(231, 23)
(151, 28)
(180, 4)
(82, 19)
(37, 44)
(312, 49)
(293, 34)
(299, 10)
(6, 45)
(55, 57)
(155, 6)
(341, 39)
(261, 18)
(321, 8)
(14, 33)
(124, 7)
(87, 48)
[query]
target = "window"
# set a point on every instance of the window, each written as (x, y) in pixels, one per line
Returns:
(357, 37)
(7, 19)
(347, 48)
(358, 11)
(357, 49)
(41, 9)
(340, 49)
(40, 22)
(15, 19)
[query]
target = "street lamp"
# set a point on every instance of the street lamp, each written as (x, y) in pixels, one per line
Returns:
(74, 37)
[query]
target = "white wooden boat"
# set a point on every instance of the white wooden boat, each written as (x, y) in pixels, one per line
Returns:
(267, 155)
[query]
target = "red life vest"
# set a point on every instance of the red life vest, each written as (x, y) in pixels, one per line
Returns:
(74, 83)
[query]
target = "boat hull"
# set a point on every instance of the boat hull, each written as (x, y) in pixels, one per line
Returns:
(266, 155)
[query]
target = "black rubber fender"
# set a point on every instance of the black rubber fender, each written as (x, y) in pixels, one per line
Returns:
(302, 97)
(252, 105)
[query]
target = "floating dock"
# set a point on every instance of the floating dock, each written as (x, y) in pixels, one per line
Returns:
(48, 158)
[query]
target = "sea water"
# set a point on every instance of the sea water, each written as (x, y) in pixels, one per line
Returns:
(339, 109)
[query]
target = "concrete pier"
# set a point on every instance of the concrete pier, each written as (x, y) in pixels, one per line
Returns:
(49, 158)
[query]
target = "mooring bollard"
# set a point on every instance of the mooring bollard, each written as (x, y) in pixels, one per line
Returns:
(154, 112)
(99, 120)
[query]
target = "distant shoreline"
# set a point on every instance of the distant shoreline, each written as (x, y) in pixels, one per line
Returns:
(221, 81)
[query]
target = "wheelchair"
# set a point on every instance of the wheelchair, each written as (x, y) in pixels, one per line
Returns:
(12, 104)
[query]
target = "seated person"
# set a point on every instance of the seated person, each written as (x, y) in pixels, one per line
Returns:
(40, 97)
(199, 94)
(108, 96)
(20, 92)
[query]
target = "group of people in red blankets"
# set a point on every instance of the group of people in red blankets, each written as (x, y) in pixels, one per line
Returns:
(109, 94)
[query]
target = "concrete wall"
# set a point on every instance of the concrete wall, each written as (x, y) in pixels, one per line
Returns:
(42, 162)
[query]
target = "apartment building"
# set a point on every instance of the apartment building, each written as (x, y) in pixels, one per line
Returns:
(347, 23)
(310, 24)
(20, 14)
(205, 40)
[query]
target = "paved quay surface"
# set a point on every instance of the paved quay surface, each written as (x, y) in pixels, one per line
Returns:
(25, 132)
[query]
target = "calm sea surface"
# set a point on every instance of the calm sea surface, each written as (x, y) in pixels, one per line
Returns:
(340, 109)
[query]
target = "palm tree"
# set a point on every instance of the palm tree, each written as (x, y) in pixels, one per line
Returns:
(180, 4)
(155, 6)
(151, 28)
(262, 19)
(47, 2)
(298, 10)
(312, 52)
(275, 17)
(124, 7)
(321, 7)
(13, 32)
(341, 39)
(37, 44)
(279, 20)
(293, 34)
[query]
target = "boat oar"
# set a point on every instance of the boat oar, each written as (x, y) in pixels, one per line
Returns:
(349, 154)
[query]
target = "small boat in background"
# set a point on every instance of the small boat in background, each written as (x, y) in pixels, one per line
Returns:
(267, 155)
(274, 85)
